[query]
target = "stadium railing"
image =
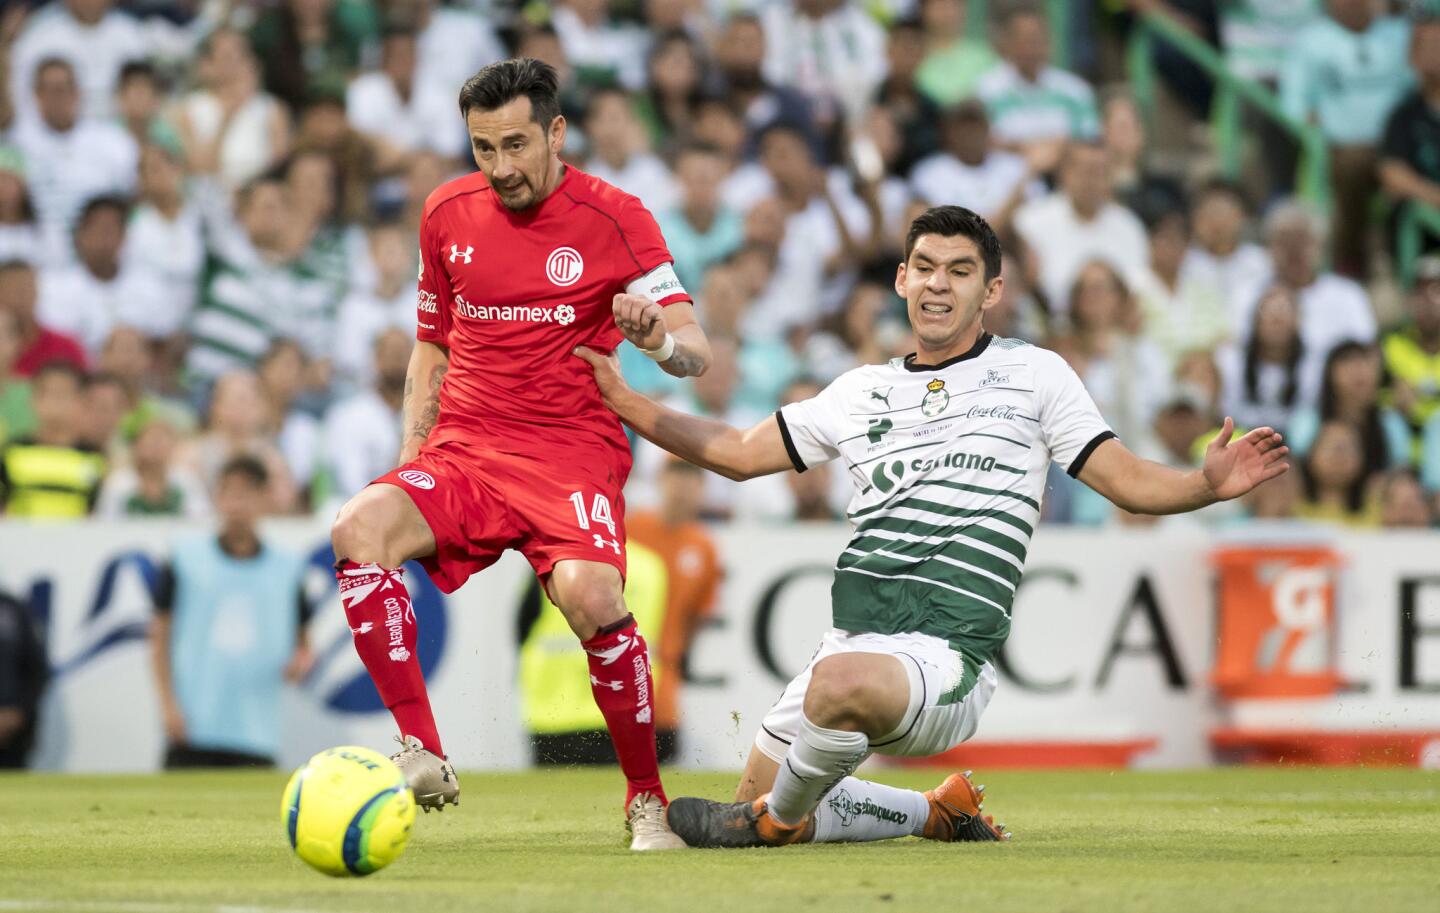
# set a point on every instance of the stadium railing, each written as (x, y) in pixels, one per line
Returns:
(1312, 179)
(1416, 221)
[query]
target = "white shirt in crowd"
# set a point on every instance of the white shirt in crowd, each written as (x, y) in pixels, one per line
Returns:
(170, 251)
(1267, 406)
(75, 302)
(643, 175)
(246, 147)
(942, 179)
(1057, 105)
(123, 483)
(1237, 275)
(65, 169)
(363, 315)
(361, 439)
(453, 47)
(19, 242)
(840, 56)
(1063, 243)
(428, 120)
(96, 51)
(1333, 310)
(616, 48)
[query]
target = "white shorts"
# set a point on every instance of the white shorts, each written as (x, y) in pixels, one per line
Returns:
(945, 702)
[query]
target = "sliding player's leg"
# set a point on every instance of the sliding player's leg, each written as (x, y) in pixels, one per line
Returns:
(590, 596)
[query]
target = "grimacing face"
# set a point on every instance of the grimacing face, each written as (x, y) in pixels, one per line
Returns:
(945, 290)
(515, 154)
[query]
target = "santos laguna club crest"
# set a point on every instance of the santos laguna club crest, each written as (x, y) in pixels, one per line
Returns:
(564, 266)
(936, 400)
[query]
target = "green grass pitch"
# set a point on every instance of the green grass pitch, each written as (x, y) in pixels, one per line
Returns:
(1227, 840)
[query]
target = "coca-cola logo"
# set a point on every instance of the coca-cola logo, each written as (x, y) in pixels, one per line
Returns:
(1002, 412)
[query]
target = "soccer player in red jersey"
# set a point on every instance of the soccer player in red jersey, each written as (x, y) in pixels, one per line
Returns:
(506, 442)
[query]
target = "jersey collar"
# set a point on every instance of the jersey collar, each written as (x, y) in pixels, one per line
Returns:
(908, 362)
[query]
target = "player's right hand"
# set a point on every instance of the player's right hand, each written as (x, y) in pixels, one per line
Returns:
(607, 371)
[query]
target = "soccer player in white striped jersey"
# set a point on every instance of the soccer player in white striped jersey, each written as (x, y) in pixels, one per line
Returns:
(948, 449)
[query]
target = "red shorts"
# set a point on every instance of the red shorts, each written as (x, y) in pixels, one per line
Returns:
(479, 502)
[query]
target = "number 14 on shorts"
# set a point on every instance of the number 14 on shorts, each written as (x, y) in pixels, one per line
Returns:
(599, 515)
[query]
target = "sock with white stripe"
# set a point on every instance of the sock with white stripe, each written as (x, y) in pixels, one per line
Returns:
(818, 759)
(858, 810)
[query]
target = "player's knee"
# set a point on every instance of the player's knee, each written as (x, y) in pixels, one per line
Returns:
(589, 601)
(836, 698)
(356, 536)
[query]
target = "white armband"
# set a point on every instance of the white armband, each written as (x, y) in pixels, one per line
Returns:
(663, 351)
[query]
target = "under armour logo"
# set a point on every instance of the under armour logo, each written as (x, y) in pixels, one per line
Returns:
(601, 542)
(456, 252)
(613, 686)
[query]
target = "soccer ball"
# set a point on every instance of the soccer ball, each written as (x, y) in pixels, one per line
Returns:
(348, 811)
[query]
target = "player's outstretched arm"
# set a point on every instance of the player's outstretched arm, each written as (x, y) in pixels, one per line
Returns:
(1231, 469)
(707, 443)
(669, 335)
(421, 409)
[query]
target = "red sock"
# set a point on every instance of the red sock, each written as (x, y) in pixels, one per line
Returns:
(382, 622)
(620, 680)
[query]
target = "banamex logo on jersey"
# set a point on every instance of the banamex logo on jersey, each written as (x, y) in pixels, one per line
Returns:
(564, 266)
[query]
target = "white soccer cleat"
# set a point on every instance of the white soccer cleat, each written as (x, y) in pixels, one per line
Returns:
(430, 776)
(645, 819)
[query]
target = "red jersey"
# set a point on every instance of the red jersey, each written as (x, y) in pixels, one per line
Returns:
(513, 293)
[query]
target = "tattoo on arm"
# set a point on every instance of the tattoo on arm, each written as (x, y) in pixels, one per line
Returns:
(430, 410)
(684, 363)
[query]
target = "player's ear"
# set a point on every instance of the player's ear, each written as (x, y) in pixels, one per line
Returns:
(557, 134)
(900, 279)
(994, 291)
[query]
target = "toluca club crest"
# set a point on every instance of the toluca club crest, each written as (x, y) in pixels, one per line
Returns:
(936, 400)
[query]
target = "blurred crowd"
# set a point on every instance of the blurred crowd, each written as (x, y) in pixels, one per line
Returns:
(209, 212)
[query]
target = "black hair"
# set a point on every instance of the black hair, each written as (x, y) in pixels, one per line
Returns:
(105, 201)
(950, 221)
(908, 24)
(251, 468)
(138, 69)
(16, 263)
(500, 83)
(1009, 12)
(1252, 361)
(62, 62)
(1354, 495)
(1372, 433)
(1224, 187)
(61, 367)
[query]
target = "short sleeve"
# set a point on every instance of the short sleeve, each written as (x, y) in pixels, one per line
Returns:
(432, 298)
(812, 428)
(1394, 145)
(1070, 423)
(651, 272)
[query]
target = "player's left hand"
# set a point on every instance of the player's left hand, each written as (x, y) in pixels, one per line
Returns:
(607, 371)
(640, 319)
(1233, 468)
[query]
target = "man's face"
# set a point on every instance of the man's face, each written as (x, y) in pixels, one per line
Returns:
(610, 124)
(943, 284)
(126, 354)
(106, 405)
(57, 96)
(740, 49)
(700, 175)
(266, 210)
(138, 99)
(89, 11)
(398, 58)
(1296, 253)
(1425, 306)
(239, 501)
(392, 357)
(905, 51)
(99, 238)
(1425, 50)
(514, 153)
(1219, 219)
(160, 174)
(59, 404)
(967, 138)
(1086, 178)
(788, 159)
(1027, 43)
(17, 293)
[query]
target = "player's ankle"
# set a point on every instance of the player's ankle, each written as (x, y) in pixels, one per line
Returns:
(777, 833)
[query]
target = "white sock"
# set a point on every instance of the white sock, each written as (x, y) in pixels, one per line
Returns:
(858, 810)
(817, 760)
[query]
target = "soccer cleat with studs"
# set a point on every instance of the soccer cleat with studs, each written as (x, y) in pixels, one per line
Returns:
(430, 776)
(645, 820)
(732, 825)
(956, 809)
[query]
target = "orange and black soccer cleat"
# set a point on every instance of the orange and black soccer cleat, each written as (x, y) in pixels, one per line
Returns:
(955, 812)
(703, 823)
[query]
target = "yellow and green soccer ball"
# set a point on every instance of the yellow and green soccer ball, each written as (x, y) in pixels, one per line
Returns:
(348, 811)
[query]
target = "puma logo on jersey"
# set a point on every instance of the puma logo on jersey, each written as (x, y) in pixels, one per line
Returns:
(456, 253)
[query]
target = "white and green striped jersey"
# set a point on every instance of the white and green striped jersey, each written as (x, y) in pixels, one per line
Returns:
(949, 464)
